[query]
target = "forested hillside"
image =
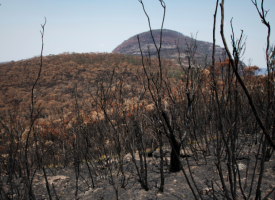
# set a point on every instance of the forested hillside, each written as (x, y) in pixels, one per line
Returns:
(62, 77)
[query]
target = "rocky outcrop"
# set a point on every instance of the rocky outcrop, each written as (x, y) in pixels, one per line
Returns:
(172, 41)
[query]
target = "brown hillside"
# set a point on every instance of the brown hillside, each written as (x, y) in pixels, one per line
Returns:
(63, 76)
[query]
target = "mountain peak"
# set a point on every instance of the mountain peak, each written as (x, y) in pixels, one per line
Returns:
(171, 41)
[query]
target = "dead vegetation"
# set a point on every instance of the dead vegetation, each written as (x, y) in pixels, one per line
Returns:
(130, 128)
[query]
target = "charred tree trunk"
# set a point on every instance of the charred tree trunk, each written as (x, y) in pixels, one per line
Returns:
(175, 162)
(175, 165)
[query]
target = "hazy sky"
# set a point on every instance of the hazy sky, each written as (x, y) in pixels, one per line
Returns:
(101, 25)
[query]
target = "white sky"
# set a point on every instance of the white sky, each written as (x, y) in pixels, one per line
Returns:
(99, 26)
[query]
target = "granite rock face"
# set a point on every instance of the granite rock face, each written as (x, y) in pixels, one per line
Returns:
(173, 45)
